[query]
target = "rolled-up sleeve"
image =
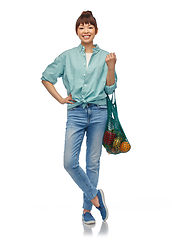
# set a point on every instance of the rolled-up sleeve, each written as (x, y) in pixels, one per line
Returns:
(111, 89)
(53, 71)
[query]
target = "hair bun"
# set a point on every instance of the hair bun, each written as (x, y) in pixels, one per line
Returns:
(87, 13)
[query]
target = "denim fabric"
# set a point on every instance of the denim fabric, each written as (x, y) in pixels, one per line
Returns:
(92, 121)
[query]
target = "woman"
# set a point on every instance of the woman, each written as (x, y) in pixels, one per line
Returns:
(88, 74)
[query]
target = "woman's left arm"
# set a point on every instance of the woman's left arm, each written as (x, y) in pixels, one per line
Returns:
(110, 61)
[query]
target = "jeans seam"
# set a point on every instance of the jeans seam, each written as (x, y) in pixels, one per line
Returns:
(78, 170)
(85, 183)
(89, 119)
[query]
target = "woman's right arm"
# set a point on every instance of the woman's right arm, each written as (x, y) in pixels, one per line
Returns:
(51, 89)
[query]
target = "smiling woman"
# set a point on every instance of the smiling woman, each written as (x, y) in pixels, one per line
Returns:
(86, 18)
(86, 29)
(88, 74)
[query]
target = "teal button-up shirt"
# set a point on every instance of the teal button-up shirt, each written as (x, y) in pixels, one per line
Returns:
(87, 85)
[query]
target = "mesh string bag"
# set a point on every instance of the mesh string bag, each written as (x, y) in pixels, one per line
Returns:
(114, 139)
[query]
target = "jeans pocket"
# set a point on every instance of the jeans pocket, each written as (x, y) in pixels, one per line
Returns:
(102, 107)
(71, 109)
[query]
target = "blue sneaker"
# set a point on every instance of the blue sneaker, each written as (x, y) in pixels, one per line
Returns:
(88, 218)
(103, 208)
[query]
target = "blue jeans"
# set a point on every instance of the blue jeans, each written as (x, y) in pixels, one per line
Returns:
(92, 121)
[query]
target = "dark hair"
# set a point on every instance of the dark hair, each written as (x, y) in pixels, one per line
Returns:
(86, 17)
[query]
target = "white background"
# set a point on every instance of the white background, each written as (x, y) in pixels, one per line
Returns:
(38, 198)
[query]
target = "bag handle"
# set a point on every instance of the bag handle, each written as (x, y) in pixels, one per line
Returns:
(113, 99)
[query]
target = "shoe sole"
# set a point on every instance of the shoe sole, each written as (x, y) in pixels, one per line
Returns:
(88, 223)
(103, 199)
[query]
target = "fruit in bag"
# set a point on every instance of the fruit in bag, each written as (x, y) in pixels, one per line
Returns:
(109, 137)
(115, 151)
(124, 147)
(116, 143)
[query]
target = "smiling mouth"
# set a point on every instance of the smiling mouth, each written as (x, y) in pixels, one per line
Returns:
(86, 36)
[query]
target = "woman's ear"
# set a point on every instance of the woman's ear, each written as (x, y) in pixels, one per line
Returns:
(97, 30)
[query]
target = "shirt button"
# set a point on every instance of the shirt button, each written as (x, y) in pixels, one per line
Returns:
(84, 75)
(84, 85)
(84, 64)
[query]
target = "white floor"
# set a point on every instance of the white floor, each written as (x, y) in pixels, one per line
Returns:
(144, 219)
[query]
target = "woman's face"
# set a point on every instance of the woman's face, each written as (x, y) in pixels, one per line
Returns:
(86, 33)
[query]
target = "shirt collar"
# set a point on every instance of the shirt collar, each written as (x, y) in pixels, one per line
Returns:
(96, 49)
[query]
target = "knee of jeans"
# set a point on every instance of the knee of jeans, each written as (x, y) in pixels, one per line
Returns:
(68, 164)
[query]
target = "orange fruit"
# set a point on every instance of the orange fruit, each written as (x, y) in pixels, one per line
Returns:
(124, 147)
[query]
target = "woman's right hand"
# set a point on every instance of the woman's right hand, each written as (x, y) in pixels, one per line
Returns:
(67, 100)
(51, 89)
